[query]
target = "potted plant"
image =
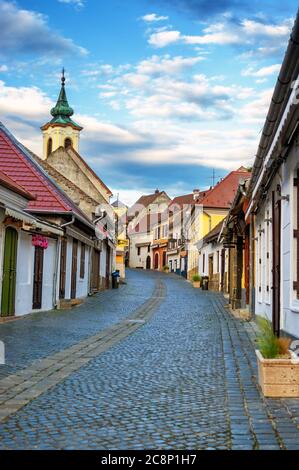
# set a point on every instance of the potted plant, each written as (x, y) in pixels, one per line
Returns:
(166, 268)
(196, 279)
(278, 367)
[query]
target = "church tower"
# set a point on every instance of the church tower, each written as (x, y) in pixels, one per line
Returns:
(61, 131)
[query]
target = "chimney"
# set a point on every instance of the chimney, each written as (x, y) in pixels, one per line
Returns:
(157, 191)
(196, 194)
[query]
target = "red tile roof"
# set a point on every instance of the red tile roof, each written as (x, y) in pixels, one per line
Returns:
(18, 165)
(223, 194)
(9, 183)
(148, 199)
(188, 198)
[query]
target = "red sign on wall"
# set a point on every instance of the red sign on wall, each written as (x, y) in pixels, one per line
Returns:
(39, 240)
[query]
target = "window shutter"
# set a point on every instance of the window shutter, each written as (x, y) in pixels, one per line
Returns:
(296, 235)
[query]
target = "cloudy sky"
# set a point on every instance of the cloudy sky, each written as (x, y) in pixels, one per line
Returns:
(167, 90)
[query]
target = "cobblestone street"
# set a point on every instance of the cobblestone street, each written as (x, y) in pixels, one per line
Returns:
(155, 364)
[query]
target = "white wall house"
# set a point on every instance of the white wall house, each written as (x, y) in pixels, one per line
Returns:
(213, 260)
(274, 205)
(144, 217)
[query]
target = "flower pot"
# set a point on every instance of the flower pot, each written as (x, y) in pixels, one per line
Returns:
(196, 284)
(278, 377)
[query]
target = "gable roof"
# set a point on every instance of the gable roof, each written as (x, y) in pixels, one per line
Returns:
(9, 183)
(223, 194)
(148, 199)
(17, 163)
(188, 198)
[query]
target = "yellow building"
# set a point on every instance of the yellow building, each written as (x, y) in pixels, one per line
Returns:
(209, 211)
(122, 246)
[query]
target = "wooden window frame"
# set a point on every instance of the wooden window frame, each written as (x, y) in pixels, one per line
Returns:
(82, 260)
(296, 238)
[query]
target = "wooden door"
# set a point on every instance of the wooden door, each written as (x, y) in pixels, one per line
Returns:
(276, 228)
(148, 262)
(156, 265)
(222, 285)
(108, 267)
(38, 277)
(62, 279)
(9, 272)
(74, 268)
(95, 267)
(211, 267)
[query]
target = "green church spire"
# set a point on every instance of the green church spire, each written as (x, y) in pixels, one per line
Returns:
(62, 112)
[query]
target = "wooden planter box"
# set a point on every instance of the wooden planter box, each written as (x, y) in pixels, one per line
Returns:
(196, 284)
(278, 377)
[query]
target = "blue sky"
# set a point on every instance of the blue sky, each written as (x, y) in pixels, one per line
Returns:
(166, 90)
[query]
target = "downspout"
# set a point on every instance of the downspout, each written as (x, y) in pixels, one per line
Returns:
(55, 277)
(68, 223)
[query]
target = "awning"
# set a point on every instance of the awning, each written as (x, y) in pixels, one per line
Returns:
(79, 236)
(32, 221)
(140, 245)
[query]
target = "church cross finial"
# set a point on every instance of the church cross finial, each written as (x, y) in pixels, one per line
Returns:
(62, 76)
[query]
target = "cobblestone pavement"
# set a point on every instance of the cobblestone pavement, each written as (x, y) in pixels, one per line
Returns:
(44, 333)
(185, 379)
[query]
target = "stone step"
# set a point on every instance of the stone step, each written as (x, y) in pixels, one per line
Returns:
(69, 303)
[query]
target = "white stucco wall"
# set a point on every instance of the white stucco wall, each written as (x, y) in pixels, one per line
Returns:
(289, 318)
(135, 260)
(25, 272)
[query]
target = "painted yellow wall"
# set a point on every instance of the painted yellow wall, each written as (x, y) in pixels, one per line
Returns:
(58, 136)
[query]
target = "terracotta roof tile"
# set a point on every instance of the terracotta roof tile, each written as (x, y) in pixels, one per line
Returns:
(223, 194)
(9, 183)
(18, 165)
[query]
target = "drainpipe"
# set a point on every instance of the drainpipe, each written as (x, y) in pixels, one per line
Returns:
(55, 277)
(68, 223)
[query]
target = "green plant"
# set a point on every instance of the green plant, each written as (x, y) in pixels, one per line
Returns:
(267, 341)
(196, 278)
(166, 267)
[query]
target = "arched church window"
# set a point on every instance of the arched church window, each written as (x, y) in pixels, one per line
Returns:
(68, 143)
(49, 146)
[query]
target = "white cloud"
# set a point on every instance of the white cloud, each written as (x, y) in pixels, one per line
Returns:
(262, 72)
(223, 33)
(29, 102)
(153, 18)
(76, 3)
(3, 68)
(27, 32)
(256, 110)
(256, 28)
(166, 64)
(164, 38)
